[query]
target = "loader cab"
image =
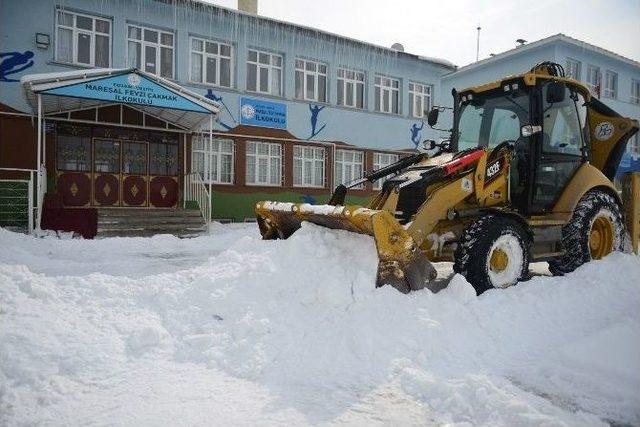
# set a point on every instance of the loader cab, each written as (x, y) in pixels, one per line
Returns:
(544, 125)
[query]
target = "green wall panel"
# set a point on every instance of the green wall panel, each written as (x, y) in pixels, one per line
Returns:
(238, 206)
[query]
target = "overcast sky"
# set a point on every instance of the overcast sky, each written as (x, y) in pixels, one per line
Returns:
(447, 28)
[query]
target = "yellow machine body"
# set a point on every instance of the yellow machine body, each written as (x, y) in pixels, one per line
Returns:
(460, 193)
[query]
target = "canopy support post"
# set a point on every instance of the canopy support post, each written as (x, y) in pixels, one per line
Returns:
(210, 155)
(39, 167)
(184, 171)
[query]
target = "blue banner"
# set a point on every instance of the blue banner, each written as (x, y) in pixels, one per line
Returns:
(256, 112)
(131, 88)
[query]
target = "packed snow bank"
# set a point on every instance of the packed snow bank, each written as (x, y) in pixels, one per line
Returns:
(294, 332)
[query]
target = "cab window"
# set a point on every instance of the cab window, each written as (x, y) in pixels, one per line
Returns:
(562, 132)
(490, 120)
(505, 126)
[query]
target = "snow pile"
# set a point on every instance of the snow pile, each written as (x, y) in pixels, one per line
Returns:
(294, 332)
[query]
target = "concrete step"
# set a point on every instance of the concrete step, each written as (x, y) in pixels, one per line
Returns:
(141, 221)
(144, 212)
(149, 233)
(132, 222)
(152, 226)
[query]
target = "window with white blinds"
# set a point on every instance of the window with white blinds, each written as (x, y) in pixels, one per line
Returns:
(264, 163)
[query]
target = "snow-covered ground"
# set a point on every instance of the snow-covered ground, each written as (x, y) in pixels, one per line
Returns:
(227, 329)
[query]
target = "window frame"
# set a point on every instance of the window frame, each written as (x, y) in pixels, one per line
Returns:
(344, 81)
(269, 157)
(74, 38)
(218, 56)
(377, 184)
(578, 67)
(270, 67)
(595, 89)
(608, 92)
(414, 95)
(635, 87)
(634, 146)
(380, 88)
(305, 163)
(342, 164)
(316, 74)
(215, 180)
(158, 46)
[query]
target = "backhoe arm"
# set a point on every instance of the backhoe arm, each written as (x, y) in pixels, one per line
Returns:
(337, 198)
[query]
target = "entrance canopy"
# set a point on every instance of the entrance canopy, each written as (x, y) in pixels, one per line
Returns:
(83, 89)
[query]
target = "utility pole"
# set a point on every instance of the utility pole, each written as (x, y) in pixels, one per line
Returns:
(478, 43)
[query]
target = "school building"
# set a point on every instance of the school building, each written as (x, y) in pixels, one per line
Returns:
(180, 111)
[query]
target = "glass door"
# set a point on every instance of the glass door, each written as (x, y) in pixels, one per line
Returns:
(134, 173)
(106, 172)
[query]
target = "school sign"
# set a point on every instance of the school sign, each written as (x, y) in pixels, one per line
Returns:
(130, 88)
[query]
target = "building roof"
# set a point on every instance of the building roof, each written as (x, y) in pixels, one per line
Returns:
(441, 62)
(63, 91)
(543, 42)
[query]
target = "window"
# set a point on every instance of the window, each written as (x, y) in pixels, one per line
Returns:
(221, 159)
(573, 69)
(561, 146)
(163, 158)
(505, 126)
(387, 94)
(83, 39)
(308, 166)
(635, 91)
(561, 128)
(634, 147)
(593, 80)
(419, 99)
(150, 50)
(349, 165)
(491, 120)
(350, 88)
(611, 85)
(311, 80)
(264, 72)
(73, 153)
(264, 163)
(381, 160)
(211, 62)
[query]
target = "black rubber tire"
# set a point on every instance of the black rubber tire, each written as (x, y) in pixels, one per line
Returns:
(575, 234)
(470, 257)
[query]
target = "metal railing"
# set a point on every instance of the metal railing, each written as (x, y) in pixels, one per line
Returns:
(196, 191)
(16, 199)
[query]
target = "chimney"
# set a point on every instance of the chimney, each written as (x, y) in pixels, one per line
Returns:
(248, 6)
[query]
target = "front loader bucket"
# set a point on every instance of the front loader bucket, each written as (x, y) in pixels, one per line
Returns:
(401, 264)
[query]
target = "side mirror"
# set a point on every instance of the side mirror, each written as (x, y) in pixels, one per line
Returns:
(555, 92)
(432, 118)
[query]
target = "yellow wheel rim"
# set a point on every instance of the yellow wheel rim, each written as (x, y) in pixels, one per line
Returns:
(499, 260)
(601, 237)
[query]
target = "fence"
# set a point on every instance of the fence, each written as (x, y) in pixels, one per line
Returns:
(196, 191)
(17, 199)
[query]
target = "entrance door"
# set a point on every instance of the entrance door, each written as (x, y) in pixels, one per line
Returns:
(560, 152)
(106, 172)
(134, 173)
(163, 173)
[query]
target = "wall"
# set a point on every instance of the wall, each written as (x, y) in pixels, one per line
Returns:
(359, 127)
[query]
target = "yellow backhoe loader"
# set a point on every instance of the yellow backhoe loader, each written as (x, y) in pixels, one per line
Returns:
(525, 176)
